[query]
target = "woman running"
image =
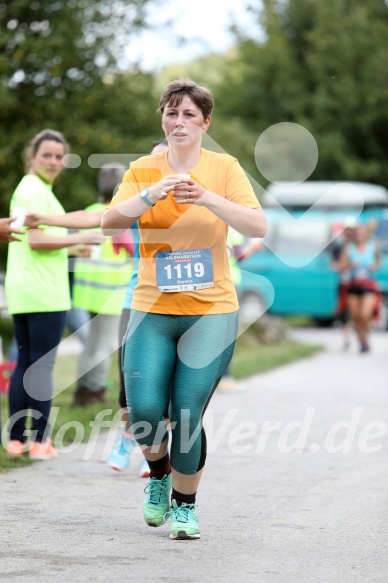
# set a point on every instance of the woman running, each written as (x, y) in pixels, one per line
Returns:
(183, 321)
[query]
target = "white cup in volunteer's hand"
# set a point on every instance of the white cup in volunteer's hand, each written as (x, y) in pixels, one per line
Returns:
(95, 252)
(20, 216)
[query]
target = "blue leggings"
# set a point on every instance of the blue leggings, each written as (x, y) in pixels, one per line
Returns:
(190, 353)
(37, 336)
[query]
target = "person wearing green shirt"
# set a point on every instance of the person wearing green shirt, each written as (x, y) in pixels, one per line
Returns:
(37, 291)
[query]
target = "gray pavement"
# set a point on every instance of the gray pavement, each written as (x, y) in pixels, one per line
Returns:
(294, 490)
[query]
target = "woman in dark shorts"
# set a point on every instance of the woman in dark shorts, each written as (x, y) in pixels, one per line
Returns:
(362, 258)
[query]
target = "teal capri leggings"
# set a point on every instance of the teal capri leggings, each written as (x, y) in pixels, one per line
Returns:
(190, 353)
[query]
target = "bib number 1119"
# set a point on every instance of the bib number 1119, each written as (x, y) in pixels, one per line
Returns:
(185, 271)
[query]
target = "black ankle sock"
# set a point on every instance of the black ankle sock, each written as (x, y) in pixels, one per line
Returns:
(159, 468)
(183, 498)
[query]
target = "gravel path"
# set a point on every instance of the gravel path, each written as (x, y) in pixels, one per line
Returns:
(295, 489)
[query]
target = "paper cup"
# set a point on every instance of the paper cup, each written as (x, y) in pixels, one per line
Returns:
(20, 214)
(95, 252)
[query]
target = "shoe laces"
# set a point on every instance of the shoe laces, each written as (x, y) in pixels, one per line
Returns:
(183, 513)
(155, 490)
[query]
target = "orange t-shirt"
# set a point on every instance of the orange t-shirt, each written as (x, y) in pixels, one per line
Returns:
(168, 226)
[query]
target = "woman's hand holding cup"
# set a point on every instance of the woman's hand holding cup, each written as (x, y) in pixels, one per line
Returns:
(160, 190)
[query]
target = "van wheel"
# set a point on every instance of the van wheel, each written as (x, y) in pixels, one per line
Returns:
(324, 322)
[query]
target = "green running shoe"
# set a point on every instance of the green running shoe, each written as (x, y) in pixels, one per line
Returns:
(157, 500)
(184, 522)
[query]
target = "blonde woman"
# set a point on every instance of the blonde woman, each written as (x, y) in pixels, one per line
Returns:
(361, 258)
(37, 290)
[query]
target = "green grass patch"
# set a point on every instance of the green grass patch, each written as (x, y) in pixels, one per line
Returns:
(65, 418)
(298, 321)
(6, 331)
(248, 359)
(64, 415)
(251, 360)
(9, 462)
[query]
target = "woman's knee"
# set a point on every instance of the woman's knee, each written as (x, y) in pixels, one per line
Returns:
(366, 317)
(148, 432)
(144, 411)
(145, 417)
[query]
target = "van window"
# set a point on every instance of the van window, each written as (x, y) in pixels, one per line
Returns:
(337, 195)
(295, 238)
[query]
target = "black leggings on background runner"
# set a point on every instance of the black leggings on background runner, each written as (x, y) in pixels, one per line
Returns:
(124, 319)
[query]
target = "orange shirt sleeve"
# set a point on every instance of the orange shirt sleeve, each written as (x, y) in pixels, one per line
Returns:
(238, 187)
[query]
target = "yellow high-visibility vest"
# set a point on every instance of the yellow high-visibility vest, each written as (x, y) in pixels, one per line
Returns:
(100, 281)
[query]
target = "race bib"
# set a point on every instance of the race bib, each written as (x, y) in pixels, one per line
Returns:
(182, 271)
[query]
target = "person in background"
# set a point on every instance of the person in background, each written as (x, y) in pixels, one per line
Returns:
(99, 288)
(344, 278)
(361, 258)
(7, 235)
(183, 321)
(37, 291)
(119, 458)
(77, 320)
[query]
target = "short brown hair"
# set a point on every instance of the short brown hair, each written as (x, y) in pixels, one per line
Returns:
(174, 92)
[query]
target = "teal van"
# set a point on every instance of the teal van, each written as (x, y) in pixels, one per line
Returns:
(292, 274)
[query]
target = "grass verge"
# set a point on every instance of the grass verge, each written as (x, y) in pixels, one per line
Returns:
(247, 361)
(8, 462)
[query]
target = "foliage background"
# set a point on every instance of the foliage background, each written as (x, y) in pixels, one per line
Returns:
(321, 64)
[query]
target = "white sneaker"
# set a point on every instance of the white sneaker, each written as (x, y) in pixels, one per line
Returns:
(119, 458)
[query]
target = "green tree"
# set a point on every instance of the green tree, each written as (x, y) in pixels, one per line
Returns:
(58, 68)
(322, 65)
